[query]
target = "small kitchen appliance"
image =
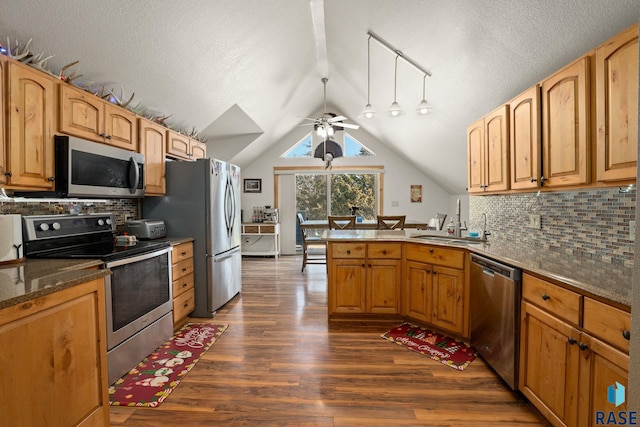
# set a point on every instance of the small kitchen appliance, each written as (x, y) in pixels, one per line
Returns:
(146, 229)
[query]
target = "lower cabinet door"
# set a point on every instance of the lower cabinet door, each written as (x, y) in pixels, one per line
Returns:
(348, 282)
(448, 299)
(418, 300)
(549, 365)
(383, 286)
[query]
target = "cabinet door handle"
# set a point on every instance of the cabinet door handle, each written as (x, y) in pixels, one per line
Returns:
(51, 178)
(434, 271)
(626, 334)
(546, 297)
(9, 174)
(572, 341)
(103, 134)
(583, 346)
(363, 265)
(108, 136)
(428, 271)
(542, 180)
(369, 265)
(533, 179)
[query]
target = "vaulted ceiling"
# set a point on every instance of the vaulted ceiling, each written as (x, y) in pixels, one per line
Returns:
(244, 72)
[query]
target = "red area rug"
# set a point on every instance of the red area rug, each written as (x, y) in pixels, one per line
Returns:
(448, 351)
(151, 381)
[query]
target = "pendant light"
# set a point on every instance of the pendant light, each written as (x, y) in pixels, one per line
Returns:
(424, 107)
(395, 110)
(368, 111)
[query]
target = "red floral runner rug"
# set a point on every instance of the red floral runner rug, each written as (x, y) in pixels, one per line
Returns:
(152, 380)
(448, 351)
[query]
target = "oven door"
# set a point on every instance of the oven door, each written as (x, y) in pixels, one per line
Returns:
(137, 293)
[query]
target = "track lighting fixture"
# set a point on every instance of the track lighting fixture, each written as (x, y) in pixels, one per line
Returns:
(395, 110)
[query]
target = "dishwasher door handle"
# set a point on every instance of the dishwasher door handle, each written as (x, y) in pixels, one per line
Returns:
(488, 272)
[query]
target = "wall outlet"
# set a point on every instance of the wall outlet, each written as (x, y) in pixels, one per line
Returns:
(127, 217)
(632, 231)
(534, 221)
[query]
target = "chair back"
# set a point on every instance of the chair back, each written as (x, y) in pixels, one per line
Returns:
(391, 222)
(346, 222)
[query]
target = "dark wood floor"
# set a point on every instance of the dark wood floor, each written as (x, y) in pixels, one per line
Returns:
(280, 363)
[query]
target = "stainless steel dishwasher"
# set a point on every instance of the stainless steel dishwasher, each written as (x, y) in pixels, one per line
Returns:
(495, 315)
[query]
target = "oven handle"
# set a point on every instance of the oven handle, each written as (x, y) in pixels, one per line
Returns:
(137, 258)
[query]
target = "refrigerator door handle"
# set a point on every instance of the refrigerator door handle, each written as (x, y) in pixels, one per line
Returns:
(226, 255)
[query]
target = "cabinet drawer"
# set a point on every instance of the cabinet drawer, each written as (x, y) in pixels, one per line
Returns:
(348, 250)
(183, 305)
(384, 250)
(267, 229)
(607, 323)
(182, 285)
(558, 301)
(181, 252)
(251, 229)
(182, 268)
(436, 255)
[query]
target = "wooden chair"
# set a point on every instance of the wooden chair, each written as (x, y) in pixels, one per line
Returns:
(347, 222)
(391, 222)
(314, 250)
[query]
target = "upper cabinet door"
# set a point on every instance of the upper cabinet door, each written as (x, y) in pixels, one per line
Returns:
(617, 106)
(565, 131)
(81, 113)
(524, 124)
(120, 127)
(30, 127)
(475, 157)
(178, 145)
(496, 130)
(152, 145)
(198, 150)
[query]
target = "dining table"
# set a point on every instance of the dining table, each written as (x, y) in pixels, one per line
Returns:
(323, 224)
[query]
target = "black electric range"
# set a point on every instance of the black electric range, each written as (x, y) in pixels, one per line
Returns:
(79, 236)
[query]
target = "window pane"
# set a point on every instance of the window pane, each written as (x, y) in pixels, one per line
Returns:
(349, 190)
(311, 196)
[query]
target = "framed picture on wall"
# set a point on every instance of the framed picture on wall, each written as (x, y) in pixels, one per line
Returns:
(252, 185)
(416, 193)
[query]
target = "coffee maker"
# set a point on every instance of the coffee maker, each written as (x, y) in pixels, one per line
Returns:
(270, 214)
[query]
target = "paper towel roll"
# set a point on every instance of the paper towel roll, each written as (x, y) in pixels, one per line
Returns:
(11, 248)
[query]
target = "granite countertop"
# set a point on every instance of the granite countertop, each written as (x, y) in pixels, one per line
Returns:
(38, 277)
(590, 276)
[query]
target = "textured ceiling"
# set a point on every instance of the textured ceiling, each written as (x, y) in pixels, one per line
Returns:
(261, 61)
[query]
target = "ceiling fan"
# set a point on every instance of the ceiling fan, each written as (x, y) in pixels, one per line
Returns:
(328, 123)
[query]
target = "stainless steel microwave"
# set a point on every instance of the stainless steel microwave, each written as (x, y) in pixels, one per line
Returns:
(90, 169)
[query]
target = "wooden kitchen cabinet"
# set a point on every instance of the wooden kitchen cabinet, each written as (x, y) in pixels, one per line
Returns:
(524, 130)
(183, 147)
(182, 285)
(31, 118)
(54, 367)
(364, 278)
(572, 349)
(87, 116)
(488, 152)
(3, 159)
(435, 289)
(565, 126)
(617, 107)
(152, 137)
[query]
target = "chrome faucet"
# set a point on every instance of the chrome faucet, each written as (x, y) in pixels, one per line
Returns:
(485, 233)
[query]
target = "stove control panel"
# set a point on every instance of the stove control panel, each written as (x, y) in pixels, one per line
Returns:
(38, 227)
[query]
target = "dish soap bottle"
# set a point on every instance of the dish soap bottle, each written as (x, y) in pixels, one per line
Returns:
(451, 227)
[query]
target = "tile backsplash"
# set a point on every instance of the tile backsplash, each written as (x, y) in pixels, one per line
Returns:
(590, 223)
(120, 208)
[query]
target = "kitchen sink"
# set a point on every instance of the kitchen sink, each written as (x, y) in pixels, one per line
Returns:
(449, 240)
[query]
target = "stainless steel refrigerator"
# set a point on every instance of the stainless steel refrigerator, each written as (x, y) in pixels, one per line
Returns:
(203, 202)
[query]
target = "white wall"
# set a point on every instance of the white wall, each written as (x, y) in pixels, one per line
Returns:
(399, 175)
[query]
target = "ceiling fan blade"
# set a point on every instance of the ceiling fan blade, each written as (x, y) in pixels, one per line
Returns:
(337, 119)
(347, 125)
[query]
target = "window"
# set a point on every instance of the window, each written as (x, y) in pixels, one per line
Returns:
(322, 194)
(351, 147)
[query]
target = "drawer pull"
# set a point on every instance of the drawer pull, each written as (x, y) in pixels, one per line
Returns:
(184, 269)
(430, 250)
(572, 341)
(583, 346)
(348, 251)
(546, 297)
(186, 304)
(626, 334)
(184, 285)
(384, 252)
(183, 253)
